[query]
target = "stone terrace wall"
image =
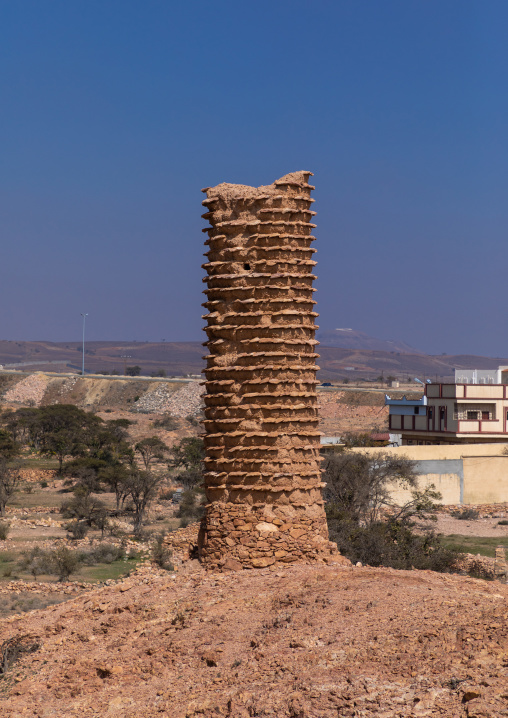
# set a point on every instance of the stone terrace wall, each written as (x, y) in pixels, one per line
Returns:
(262, 474)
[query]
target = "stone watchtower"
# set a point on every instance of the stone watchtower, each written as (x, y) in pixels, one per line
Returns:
(262, 476)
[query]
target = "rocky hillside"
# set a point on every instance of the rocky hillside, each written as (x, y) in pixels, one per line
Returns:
(355, 356)
(177, 397)
(304, 641)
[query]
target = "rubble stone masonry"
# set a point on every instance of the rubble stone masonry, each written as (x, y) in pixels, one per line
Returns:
(262, 475)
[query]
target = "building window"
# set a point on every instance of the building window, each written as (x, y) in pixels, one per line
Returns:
(417, 409)
(468, 410)
(431, 412)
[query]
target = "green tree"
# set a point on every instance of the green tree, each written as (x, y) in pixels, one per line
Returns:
(191, 505)
(8, 447)
(23, 425)
(151, 449)
(9, 482)
(142, 488)
(189, 453)
(357, 483)
(65, 430)
(64, 562)
(133, 370)
(83, 506)
(365, 522)
(116, 477)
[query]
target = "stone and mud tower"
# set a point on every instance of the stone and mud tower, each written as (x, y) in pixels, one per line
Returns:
(262, 465)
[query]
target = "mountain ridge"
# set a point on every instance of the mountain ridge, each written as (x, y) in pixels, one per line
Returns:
(184, 358)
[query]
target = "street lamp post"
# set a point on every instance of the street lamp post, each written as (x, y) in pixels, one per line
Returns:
(83, 348)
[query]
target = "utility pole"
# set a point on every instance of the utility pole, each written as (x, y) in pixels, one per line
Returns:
(125, 357)
(83, 348)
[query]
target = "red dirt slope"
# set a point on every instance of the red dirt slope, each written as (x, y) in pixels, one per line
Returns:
(299, 642)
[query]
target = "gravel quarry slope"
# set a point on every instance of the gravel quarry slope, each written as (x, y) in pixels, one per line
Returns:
(179, 397)
(303, 641)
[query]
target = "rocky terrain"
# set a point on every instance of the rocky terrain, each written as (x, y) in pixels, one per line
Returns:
(297, 642)
(343, 411)
(179, 398)
(340, 410)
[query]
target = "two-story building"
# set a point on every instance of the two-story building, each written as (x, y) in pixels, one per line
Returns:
(472, 410)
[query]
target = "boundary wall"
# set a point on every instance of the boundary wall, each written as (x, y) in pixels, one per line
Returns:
(463, 473)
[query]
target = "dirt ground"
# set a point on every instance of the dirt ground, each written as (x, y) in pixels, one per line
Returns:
(303, 641)
(480, 527)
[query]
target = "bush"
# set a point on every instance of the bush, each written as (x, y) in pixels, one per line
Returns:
(4, 530)
(61, 562)
(391, 543)
(36, 561)
(190, 478)
(465, 514)
(365, 523)
(133, 370)
(77, 530)
(103, 553)
(167, 422)
(166, 495)
(85, 507)
(162, 554)
(64, 562)
(191, 505)
(44, 484)
(504, 522)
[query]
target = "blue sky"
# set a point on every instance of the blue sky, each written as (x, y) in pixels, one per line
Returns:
(114, 114)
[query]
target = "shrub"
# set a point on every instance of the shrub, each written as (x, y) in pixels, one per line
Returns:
(191, 505)
(77, 530)
(64, 562)
(61, 562)
(190, 478)
(44, 484)
(504, 522)
(13, 648)
(167, 422)
(103, 553)
(4, 530)
(166, 495)
(465, 514)
(84, 507)
(36, 561)
(391, 543)
(162, 554)
(365, 523)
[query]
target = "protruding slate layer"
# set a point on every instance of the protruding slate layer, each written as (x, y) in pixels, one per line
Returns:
(262, 474)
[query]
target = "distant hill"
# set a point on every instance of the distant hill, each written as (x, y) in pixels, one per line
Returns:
(182, 358)
(353, 339)
(175, 358)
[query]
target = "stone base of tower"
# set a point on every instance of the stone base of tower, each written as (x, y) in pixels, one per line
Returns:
(236, 536)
